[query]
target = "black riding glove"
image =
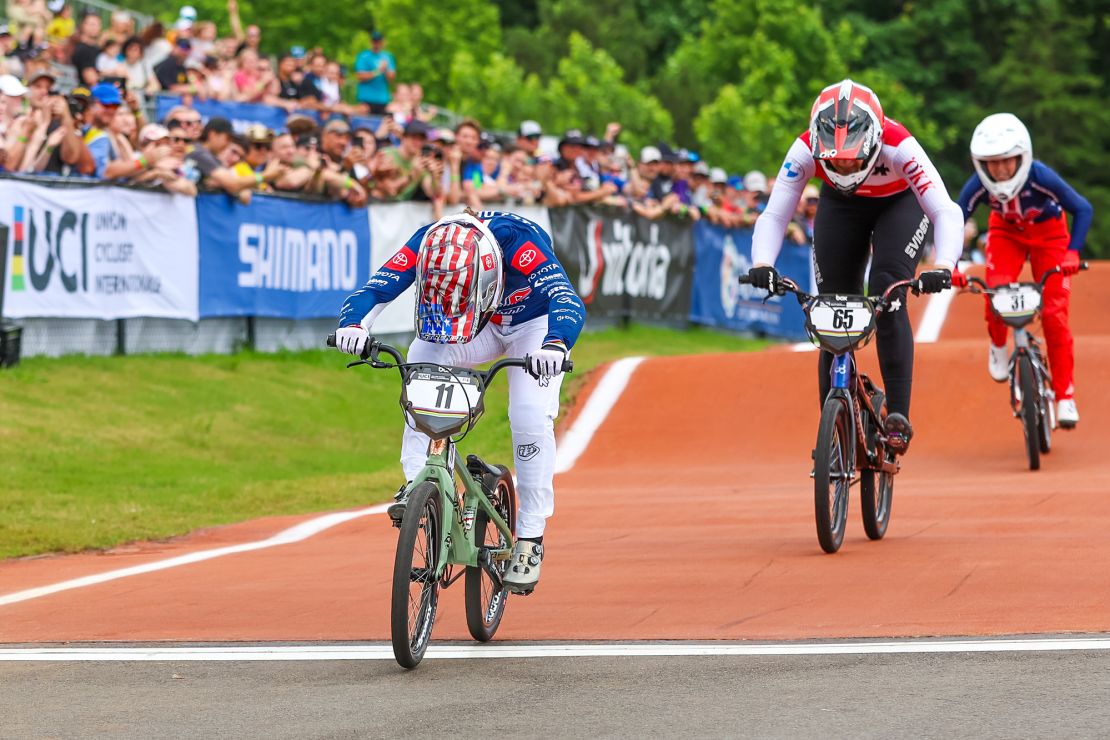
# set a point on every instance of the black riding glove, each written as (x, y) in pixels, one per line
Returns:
(765, 277)
(933, 281)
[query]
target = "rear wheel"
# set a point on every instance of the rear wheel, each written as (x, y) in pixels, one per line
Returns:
(1030, 404)
(415, 586)
(485, 600)
(1044, 423)
(832, 473)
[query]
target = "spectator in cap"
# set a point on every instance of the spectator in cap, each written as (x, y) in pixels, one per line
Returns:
(53, 142)
(172, 74)
(257, 141)
(10, 63)
(293, 91)
(87, 49)
(646, 171)
(375, 68)
(528, 138)
(203, 161)
(415, 172)
(15, 127)
(699, 185)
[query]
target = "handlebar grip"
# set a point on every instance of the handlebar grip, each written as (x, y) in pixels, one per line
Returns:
(330, 341)
(745, 280)
(1084, 265)
(568, 366)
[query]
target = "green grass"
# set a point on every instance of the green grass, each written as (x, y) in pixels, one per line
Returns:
(100, 451)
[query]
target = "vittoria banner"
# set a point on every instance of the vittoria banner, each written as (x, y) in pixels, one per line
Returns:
(98, 252)
(625, 266)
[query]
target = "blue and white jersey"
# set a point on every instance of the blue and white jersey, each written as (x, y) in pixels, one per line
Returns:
(535, 283)
(1044, 196)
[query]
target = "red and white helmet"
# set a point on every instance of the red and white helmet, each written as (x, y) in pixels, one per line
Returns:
(459, 280)
(846, 123)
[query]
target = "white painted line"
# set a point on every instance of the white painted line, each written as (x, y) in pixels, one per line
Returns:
(803, 347)
(301, 531)
(598, 405)
(936, 311)
(552, 650)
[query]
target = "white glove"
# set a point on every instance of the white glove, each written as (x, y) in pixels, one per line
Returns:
(352, 340)
(547, 362)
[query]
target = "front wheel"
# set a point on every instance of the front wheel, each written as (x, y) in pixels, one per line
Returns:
(832, 473)
(485, 600)
(1030, 403)
(875, 501)
(415, 586)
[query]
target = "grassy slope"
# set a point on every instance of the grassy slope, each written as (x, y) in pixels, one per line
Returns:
(99, 451)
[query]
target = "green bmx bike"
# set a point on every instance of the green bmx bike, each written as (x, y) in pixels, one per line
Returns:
(460, 518)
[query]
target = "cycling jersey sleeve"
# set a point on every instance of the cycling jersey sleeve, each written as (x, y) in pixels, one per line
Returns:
(390, 281)
(924, 180)
(529, 252)
(770, 227)
(971, 196)
(1045, 179)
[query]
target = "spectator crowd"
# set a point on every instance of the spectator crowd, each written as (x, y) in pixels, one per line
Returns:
(73, 94)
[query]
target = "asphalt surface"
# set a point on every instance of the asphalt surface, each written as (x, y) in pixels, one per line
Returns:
(921, 695)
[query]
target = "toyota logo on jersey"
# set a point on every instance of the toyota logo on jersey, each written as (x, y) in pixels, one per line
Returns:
(403, 260)
(528, 258)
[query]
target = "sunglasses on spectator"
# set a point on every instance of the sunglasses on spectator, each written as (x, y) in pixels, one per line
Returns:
(180, 139)
(812, 201)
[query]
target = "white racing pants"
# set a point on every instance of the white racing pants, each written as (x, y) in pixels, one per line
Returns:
(532, 411)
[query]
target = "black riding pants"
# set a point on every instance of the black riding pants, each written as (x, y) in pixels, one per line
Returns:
(893, 230)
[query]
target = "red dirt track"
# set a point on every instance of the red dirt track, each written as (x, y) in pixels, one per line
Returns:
(690, 516)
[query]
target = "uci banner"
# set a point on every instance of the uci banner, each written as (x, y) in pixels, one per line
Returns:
(280, 258)
(98, 252)
(624, 265)
(723, 255)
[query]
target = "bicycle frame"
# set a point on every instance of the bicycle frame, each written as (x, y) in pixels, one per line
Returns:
(457, 543)
(848, 384)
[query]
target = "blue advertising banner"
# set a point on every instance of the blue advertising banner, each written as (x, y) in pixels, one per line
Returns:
(280, 258)
(722, 256)
(242, 115)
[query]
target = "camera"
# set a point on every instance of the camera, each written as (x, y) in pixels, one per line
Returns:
(432, 150)
(307, 140)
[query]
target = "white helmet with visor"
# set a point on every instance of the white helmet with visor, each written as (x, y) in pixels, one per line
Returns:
(1002, 136)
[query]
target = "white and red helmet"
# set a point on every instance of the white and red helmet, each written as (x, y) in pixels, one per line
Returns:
(1001, 136)
(459, 280)
(846, 123)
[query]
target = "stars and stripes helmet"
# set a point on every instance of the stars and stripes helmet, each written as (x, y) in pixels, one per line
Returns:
(459, 280)
(846, 133)
(1001, 136)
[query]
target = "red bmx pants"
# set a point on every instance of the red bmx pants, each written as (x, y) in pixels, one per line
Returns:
(1044, 245)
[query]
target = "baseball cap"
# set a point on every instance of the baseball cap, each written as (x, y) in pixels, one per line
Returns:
(416, 127)
(338, 126)
(183, 24)
(188, 12)
(572, 136)
(736, 182)
(106, 94)
(10, 85)
(701, 168)
(41, 74)
(650, 154)
(297, 52)
(718, 175)
(152, 132)
(377, 36)
(256, 133)
(4, 30)
(442, 134)
(217, 125)
(591, 142)
(300, 124)
(811, 191)
(55, 6)
(755, 181)
(530, 128)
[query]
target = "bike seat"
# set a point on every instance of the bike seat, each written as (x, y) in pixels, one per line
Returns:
(479, 467)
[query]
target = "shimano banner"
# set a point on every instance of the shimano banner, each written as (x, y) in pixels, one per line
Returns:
(280, 258)
(625, 266)
(723, 255)
(98, 252)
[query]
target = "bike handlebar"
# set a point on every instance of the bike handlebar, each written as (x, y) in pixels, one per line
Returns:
(369, 356)
(984, 288)
(789, 286)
